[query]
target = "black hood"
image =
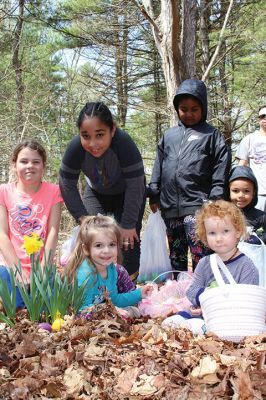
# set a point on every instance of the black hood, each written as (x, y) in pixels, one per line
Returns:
(244, 172)
(195, 88)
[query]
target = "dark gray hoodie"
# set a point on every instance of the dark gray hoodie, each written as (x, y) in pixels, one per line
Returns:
(254, 217)
(196, 89)
(192, 163)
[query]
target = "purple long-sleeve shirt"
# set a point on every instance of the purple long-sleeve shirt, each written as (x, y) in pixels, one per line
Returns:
(124, 283)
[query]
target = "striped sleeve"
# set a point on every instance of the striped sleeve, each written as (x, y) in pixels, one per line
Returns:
(68, 178)
(124, 283)
(132, 167)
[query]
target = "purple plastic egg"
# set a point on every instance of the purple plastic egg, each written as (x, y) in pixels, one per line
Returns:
(45, 326)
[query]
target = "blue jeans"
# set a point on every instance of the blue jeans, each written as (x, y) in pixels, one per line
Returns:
(4, 275)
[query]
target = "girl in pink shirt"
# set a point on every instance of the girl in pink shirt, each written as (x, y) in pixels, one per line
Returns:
(27, 206)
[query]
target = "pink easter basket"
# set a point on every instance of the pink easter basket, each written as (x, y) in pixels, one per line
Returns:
(168, 299)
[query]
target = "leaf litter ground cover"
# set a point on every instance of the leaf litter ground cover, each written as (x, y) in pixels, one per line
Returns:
(110, 358)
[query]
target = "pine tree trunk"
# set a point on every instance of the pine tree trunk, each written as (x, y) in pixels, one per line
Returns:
(188, 37)
(17, 65)
(121, 36)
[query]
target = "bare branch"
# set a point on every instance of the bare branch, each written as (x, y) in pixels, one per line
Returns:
(215, 54)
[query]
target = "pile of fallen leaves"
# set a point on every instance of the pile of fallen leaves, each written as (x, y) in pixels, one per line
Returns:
(110, 358)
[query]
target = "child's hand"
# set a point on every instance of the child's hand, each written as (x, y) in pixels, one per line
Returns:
(123, 313)
(195, 311)
(147, 290)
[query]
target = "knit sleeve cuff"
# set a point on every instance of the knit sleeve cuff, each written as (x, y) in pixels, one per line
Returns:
(201, 290)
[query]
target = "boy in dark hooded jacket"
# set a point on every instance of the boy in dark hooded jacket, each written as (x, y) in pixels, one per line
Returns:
(191, 166)
(243, 192)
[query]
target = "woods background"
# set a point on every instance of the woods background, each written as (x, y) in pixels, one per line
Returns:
(57, 54)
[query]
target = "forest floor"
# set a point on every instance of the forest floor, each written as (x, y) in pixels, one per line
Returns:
(108, 357)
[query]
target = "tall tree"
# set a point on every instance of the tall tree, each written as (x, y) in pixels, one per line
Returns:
(174, 31)
(17, 65)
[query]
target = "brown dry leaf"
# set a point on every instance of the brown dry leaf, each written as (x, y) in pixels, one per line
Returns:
(80, 332)
(89, 356)
(174, 344)
(242, 387)
(261, 358)
(206, 366)
(177, 363)
(256, 339)
(257, 346)
(210, 345)
(65, 356)
(53, 390)
(4, 358)
(210, 379)
(130, 357)
(92, 350)
(258, 379)
(242, 352)
(236, 362)
(74, 378)
(27, 347)
(61, 359)
(115, 371)
(109, 328)
(222, 388)
(127, 379)
(149, 351)
(155, 335)
(147, 385)
(133, 338)
(199, 392)
(4, 375)
(30, 364)
(27, 384)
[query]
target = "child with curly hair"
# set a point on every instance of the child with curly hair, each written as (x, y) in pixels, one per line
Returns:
(219, 225)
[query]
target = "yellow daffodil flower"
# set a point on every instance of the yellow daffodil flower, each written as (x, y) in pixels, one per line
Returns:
(58, 323)
(32, 244)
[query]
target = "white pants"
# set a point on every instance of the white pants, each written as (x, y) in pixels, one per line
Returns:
(196, 325)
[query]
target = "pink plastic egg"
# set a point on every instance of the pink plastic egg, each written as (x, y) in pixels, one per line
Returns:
(45, 326)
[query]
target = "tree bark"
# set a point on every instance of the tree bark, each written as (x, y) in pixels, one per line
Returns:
(121, 37)
(166, 31)
(188, 37)
(17, 66)
(157, 96)
(204, 34)
(174, 32)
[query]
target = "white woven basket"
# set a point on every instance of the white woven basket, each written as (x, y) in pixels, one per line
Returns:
(233, 311)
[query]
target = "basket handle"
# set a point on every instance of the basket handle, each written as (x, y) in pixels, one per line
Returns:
(168, 272)
(216, 264)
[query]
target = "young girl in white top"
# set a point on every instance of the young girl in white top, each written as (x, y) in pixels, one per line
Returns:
(95, 258)
(27, 206)
(220, 225)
